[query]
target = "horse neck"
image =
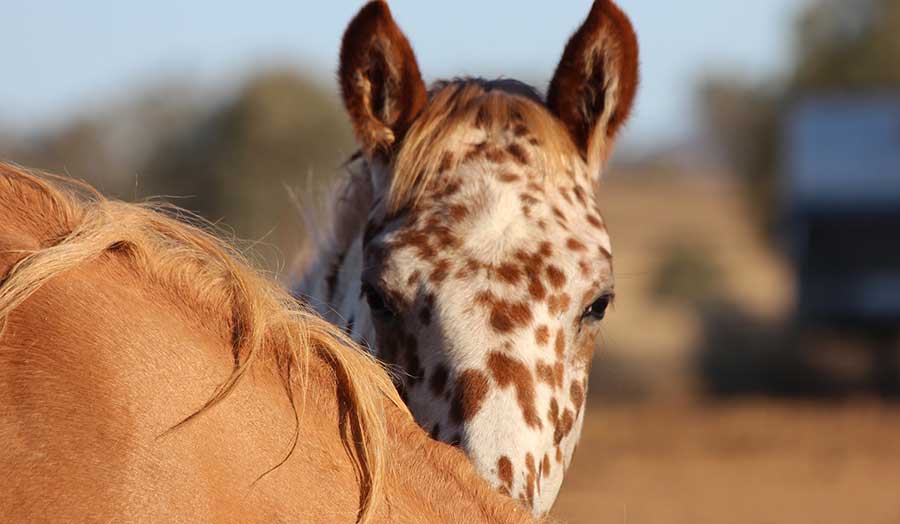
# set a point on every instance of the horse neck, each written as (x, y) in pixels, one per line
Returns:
(433, 482)
(219, 453)
(331, 284)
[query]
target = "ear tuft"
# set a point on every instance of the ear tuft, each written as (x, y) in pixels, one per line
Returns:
(594, 86)
(381, 85)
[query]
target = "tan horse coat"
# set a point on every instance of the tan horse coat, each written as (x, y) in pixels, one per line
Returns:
(120, 323)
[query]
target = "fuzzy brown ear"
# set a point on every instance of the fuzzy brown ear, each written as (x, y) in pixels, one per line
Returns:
(596, 81)
(380, 81)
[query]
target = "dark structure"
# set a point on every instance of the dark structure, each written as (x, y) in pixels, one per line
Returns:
(842, 211)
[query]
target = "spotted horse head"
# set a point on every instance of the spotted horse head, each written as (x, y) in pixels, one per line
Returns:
(480, 267)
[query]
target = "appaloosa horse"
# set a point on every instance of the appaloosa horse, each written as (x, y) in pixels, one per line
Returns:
(148, 375)
(468, 250)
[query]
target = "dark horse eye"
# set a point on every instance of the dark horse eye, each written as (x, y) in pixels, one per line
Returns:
(597, 310)
(377, 302)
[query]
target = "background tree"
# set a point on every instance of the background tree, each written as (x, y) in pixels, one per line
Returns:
(840, 47)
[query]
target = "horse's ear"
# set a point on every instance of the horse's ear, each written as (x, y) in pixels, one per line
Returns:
(380, 81)
(594, 86)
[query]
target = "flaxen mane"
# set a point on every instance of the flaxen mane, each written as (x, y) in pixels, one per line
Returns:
(210, 281)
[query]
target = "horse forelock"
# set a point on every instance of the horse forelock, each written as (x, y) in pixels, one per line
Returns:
(440, 137)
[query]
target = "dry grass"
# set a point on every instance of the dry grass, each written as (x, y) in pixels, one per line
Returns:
(754, 462)
(674, 459)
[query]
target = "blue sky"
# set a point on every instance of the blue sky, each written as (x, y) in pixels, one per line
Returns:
(62, 58)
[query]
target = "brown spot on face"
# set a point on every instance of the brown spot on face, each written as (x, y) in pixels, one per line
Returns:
(476, 151)
(528, 259)
(527, 199)
(440, 272)
(450, 189)
(417, 240)
(564, 302)
(558, 304)
(458, 212)
(495, 155)
(509, 178)
(575, 245)
(530, 479)
(546, 249)
(542, 335)
(579, 194)
(559, 456)
(555, 276)
(438, 379)
(413, 279)
(560, 345)
(445, 238)
(511, 372)
(518, 153)
(564, 427)
(553, 412)
(576, 393)
(535, 288)
(505, 316)
(505, 472)
(545, 466)
(471, 266)
(595, 222)
(509, 273)
(565, 194)
(471, 388)
(520, 130)
(560, 216)
(544, 374)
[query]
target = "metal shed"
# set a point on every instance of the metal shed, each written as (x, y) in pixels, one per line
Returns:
(842, 201)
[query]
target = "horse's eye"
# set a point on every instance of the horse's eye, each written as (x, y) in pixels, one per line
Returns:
(597, 310)
(378, 304)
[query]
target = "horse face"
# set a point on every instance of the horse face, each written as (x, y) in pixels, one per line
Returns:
(487, 267)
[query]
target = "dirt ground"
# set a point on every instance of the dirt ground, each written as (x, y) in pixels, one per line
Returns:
(752, 462)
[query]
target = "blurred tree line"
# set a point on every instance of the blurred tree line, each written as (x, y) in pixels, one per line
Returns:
(230, 159)
(839, 47)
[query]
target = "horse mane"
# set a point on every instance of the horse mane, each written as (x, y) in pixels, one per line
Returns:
(437, 141)
(74, 225)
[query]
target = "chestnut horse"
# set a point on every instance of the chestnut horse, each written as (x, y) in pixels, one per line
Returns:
(147, 374)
